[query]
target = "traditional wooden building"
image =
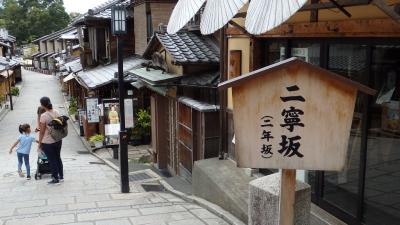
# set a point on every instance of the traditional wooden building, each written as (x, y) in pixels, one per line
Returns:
(7, 43)
(182, 75)
(54, 49)
(357, 39)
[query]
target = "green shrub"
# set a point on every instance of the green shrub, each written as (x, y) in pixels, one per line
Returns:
(73, 106)
(15, 91)
(144, 120)
(96, 138)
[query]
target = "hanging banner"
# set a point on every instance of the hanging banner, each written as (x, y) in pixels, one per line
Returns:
(111, 121)
(92, 111)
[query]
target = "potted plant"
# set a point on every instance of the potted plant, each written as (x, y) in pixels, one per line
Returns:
(14, 91)
(144, 122)
(73, 107)
(97, 140)
(136, 136)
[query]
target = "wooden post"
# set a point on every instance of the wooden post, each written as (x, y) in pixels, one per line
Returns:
(287, 197)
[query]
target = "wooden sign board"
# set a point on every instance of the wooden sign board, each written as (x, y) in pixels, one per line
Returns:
(293, 115)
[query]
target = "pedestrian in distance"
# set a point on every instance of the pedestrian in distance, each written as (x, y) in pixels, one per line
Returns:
(51, 147)
(24, 144)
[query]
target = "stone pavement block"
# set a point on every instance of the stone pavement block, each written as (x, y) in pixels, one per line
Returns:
(29, 203)
(215, 222)
(114, 222)
(85, 223)
(187, 222)
(103, 191)
(203, 214)
(107, 215)
(157, 200)
(132, 202)
(92, 198)
(43, 220)
(84, 205)
(41, 209)
(159, 218)
(7, 212)
(131, 196)
(60, 200)
(160, 210)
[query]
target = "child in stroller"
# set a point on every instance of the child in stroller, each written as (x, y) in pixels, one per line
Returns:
(43, 166)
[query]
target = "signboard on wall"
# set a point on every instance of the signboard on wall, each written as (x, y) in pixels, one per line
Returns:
(111, 121)
(92, 110)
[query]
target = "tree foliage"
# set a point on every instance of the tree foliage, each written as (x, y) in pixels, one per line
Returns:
(30, 19)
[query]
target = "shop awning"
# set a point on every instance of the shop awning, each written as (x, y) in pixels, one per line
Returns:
(197, 105)
(5, 44)
(70, 35)
(262, 15)
(138, 84)
(5, 74)
(73, 66)
(153, 76)
(103, 75)
(47, 55)
(69, 77)
(35, 54)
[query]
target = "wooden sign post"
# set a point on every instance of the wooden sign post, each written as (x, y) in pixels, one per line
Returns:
(292, 115)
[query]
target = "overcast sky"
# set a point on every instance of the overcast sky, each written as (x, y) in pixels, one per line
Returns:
(81, 6)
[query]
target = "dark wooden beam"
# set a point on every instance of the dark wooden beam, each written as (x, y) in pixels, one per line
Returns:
(314, 12)
(389, 10)
(233, 23)
(341, 8)
(344, 28)
(330, 5)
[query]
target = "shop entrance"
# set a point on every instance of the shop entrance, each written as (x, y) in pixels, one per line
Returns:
(368, 190)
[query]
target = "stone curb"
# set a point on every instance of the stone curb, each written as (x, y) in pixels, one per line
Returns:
(228, 217)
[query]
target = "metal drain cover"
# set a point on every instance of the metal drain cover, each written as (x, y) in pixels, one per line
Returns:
(99, 163)
(83, 152)
(139, 176)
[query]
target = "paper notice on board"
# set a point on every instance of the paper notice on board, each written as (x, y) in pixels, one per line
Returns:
(128, 104)
(112, 129)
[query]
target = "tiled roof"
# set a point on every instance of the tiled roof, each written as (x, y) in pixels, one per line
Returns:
(198, 105)
(55, 35)
(186, 47)
(102, 75)
(200, 80)
(101, 12)
(74, 65)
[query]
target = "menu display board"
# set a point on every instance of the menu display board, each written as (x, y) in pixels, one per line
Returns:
(111, 121)
(92, 110)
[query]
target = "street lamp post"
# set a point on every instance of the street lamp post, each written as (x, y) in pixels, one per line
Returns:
(118, 25)
(9, 88)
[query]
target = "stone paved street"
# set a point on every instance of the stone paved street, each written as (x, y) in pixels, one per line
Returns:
(90, 193)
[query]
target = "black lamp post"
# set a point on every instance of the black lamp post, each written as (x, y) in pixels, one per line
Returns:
(118, 24)
(9, 87)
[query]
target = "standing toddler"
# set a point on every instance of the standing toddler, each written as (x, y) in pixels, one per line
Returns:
(23, 145)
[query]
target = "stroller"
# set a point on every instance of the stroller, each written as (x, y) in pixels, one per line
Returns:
(43, 166)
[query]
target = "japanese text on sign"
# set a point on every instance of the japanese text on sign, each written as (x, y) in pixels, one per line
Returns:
(289, 145)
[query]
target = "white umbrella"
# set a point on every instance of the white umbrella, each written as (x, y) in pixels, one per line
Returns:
(217, 13)
(264, 15)
(182, 13)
